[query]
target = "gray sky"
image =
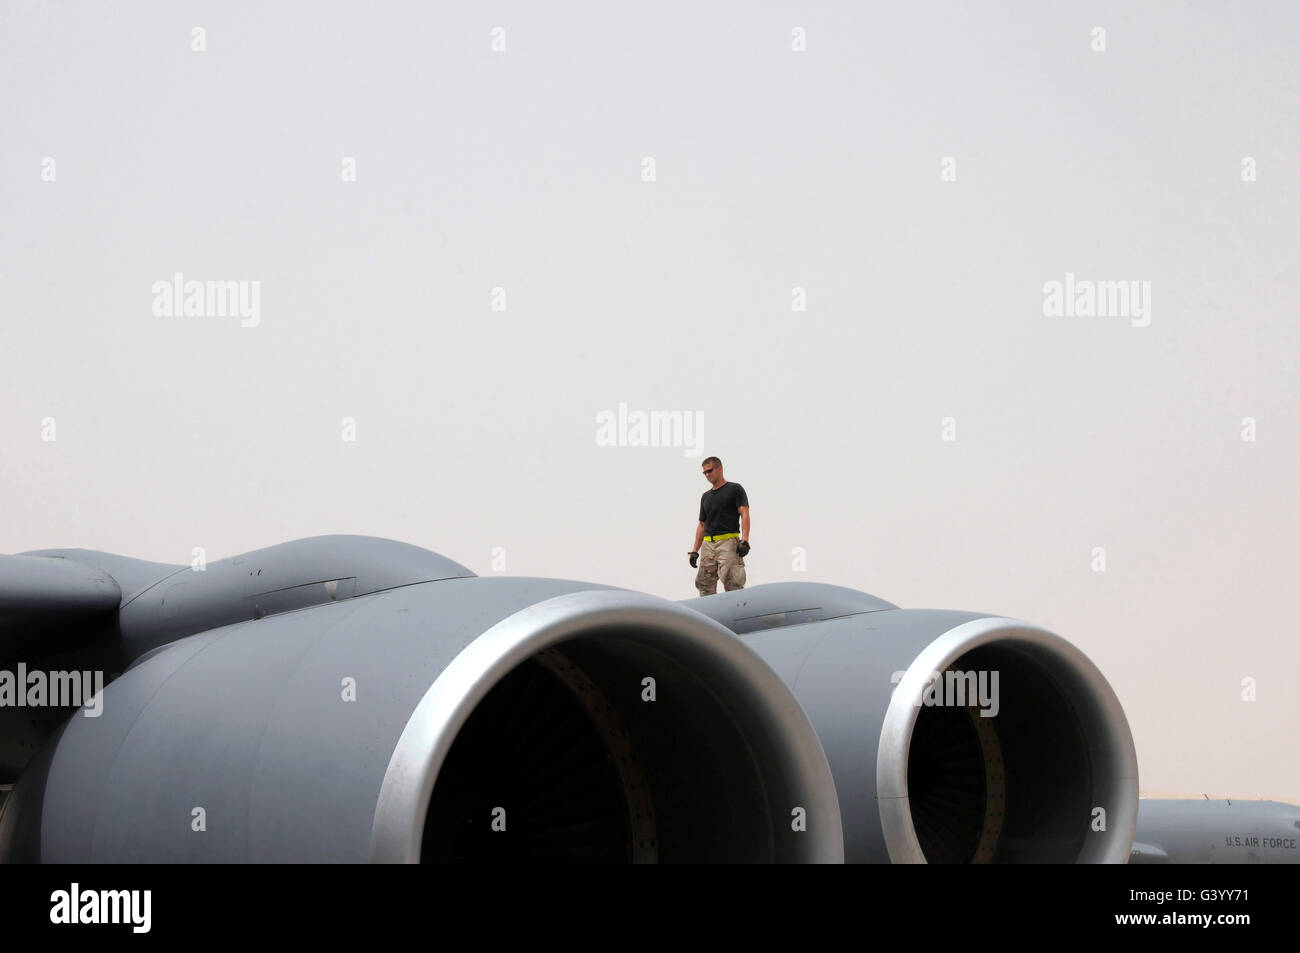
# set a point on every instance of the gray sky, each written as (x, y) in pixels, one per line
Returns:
(775, 169)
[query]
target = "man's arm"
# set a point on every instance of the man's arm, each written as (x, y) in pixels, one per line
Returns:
(699, 537)
(744, 522)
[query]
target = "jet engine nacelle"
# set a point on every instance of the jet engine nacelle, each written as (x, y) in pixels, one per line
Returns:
(339, 713)
(953, 736)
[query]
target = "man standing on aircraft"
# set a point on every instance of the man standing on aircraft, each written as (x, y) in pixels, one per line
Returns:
(724, 530)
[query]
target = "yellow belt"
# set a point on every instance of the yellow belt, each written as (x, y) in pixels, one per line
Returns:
(714, 539)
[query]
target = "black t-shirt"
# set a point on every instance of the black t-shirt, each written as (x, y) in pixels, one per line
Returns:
(718, 509)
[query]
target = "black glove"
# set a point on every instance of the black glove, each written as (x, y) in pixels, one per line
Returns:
(695, 560)
(742, 550)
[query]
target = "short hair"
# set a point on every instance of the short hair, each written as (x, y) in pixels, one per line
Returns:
(714, 460)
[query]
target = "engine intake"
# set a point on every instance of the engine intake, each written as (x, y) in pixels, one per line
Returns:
(954, 737)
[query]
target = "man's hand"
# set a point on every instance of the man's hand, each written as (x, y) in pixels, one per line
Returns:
(695, 560)
(742, 550)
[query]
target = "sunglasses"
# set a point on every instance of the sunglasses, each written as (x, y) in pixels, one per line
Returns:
(708, 471)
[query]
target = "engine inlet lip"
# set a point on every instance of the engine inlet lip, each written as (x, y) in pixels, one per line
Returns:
(400, 811)
(1115, 775)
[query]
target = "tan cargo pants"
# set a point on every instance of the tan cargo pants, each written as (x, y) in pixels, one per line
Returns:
(720, 560)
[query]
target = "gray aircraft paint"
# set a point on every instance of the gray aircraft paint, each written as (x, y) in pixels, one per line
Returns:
(841, 652)
(1223, 831)
(229, 696)
(230, 704)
